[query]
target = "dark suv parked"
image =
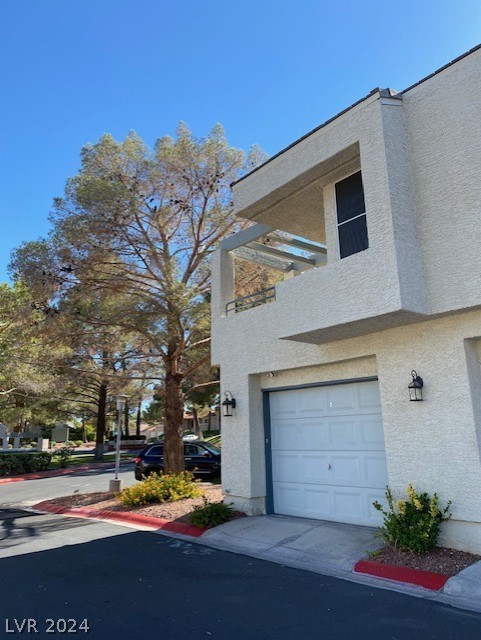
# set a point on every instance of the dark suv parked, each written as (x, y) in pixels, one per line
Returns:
(201, 458)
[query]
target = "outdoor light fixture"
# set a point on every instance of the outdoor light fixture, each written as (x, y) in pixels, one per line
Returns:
(116, 485)
(415, 387)
(121, 400)
(228, 404)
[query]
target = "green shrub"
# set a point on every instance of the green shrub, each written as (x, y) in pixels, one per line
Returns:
(412, 524)
(161, 488)
(62, 456)
(33, 444)
(209, 434)
(77, 434)
(13, 463)
(78, 443)
(211, 514)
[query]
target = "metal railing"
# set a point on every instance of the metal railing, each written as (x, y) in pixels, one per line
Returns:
(250, 301)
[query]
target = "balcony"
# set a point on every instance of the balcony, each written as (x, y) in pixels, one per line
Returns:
(250, 301)
(324, 293)
(274, 250)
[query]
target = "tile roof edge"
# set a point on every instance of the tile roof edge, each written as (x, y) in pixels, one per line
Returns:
(443, 68)
(383, 93)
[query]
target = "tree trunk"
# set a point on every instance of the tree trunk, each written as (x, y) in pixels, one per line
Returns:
(126, 419)
(100, 435)
(195, 422)
(138, 418)
(174, 418)
(84, 430)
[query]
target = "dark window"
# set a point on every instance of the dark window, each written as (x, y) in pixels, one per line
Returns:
(192, 450)
(156, 451)
(351, 215)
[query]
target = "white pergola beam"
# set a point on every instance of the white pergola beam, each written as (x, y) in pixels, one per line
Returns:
(292, 257)
(298, 243)
(243, 238)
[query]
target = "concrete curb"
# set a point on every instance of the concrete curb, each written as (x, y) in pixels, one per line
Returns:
(460, 598)
(59, 472)
(426, 579)
(124, 517)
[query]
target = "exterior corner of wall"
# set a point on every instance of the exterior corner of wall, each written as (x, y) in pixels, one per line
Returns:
(249, 506)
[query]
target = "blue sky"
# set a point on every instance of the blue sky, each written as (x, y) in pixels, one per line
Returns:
(268, 70)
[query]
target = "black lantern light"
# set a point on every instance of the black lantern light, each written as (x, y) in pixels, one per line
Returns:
(415, 387)
(228, 404)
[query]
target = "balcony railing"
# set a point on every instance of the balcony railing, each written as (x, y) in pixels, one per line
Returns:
(250, 301)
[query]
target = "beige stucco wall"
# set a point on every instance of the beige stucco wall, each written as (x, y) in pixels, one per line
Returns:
(443, 121)
(421, 163)
(434, 444)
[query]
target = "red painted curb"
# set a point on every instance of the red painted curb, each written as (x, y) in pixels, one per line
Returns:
(127, 517)
(57, 472)
(426, 579)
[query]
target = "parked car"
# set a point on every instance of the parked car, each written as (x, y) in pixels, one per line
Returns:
(187, 437)
(201, 458)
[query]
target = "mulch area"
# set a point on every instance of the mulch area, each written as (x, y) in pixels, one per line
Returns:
(440, 560)
(178, 511)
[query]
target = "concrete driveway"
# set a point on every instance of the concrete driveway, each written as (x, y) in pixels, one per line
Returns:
(311, 544)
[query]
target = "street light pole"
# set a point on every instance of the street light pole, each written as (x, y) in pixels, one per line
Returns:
(116, 485)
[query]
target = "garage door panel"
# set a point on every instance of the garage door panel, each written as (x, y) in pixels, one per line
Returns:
(311, 403)
(371, 432)
(300, 435)
(332, 433)
(373, 514)
(341, 398)
(375, 471)
(331, 468)
(368, 396)
(343, 433)
(347, 504)
(283, 405)
(328, 503)
(345, 470)
(289, 497)
(331, 465)
(300, 467)
(318, 502)
(287, 466)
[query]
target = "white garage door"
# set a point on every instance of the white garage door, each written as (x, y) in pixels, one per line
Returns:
(328, 454)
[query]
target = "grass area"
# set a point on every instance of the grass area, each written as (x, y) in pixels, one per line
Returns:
(88, 458)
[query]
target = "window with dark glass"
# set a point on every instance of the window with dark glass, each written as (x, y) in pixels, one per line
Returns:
(351, 215)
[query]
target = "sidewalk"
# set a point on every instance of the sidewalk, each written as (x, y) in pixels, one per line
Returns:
(326, 548)
(332, 549)
(38, 475)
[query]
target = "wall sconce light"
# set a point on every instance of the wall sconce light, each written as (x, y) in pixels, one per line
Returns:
(228, 404)
(415, 387)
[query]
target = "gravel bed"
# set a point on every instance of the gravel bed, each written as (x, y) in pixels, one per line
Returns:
(440, 560)
(178, 510)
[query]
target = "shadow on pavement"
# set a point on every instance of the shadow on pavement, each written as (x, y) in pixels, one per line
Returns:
(18, 527)
(143, 585)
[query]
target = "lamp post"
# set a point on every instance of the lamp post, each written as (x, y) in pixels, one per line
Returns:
(116, 485)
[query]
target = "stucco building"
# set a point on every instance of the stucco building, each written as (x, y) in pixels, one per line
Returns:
(374, 221)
